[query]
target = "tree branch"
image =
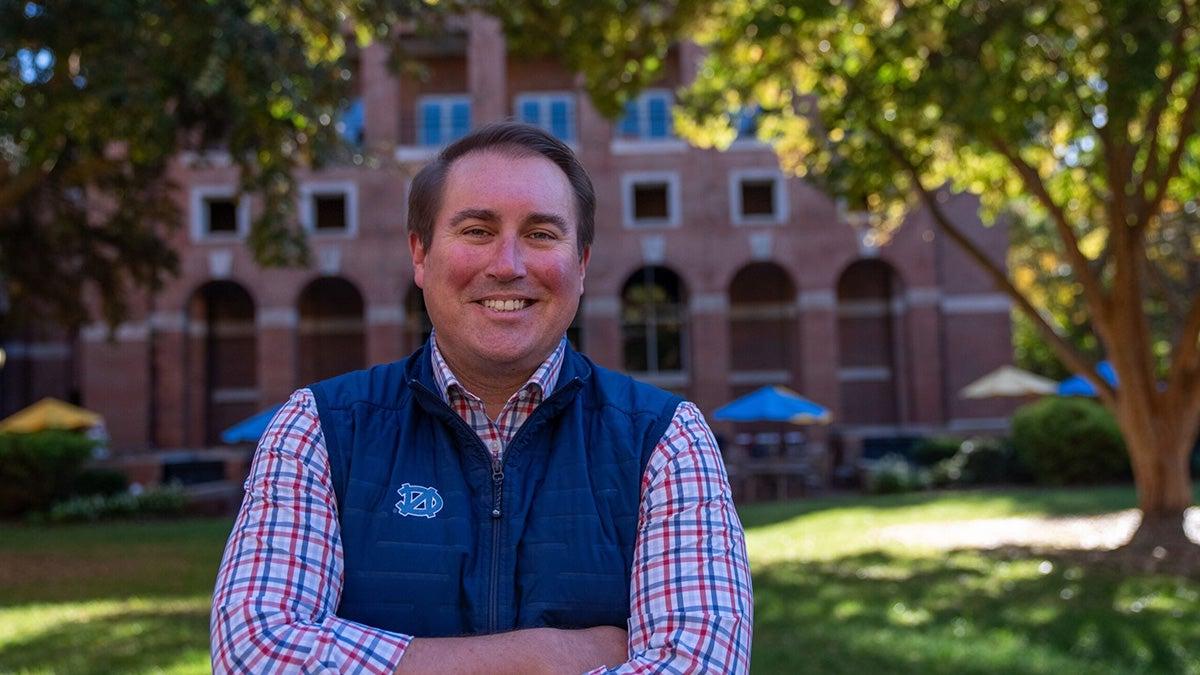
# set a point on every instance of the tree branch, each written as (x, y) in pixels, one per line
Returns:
(1187, 127)
(1061, 347)
(1159, 105)
(1079, 264)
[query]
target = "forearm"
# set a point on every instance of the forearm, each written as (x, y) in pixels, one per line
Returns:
(531, 651)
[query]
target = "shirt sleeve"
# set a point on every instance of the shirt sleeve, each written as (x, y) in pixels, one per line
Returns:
(691, 605)
(280, 579)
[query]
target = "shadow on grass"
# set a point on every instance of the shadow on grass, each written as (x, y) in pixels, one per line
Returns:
(136, 640)
(971, 612)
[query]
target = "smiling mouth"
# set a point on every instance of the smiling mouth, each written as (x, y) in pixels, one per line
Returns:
(506, 305)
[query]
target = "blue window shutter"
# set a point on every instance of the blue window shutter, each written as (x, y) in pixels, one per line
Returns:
(531, 112)
(460, 119)
(560, 119)
(628, 124)
(660, 123)
(431, 124)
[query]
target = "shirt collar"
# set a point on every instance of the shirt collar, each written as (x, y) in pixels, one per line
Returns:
(543, 379)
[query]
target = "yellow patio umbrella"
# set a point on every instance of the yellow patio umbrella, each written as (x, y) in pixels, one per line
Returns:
(50, 413)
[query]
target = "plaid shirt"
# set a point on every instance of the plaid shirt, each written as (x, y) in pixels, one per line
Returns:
(280, 579)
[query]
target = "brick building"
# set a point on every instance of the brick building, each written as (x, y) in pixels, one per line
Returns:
(712, 273)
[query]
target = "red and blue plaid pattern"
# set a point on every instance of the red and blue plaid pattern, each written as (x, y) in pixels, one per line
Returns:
(281, 575)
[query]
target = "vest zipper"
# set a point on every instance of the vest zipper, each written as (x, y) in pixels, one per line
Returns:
(497, 490)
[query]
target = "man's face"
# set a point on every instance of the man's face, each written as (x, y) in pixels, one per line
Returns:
(502, 276)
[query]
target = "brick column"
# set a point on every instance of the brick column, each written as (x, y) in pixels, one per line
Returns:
(277, 367)
(818, 348)
(708, 331)
(487, 55)
(381, 101)
(385, 334)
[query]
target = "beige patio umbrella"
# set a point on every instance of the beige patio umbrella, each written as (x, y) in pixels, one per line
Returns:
(1009, 381)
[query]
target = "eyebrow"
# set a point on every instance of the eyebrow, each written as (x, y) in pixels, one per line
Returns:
(490, 216)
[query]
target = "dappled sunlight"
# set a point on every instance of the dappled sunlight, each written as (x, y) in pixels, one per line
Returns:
(887, 611)
(134, 635)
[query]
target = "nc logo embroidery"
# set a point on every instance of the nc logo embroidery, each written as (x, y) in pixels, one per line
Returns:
(418, 500)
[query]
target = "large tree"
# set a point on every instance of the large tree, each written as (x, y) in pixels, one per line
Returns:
(97, 97)
(1078, 115)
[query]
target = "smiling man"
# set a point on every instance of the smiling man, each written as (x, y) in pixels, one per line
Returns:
(495, 502)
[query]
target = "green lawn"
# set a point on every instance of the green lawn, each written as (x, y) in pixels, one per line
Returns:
(829, 599)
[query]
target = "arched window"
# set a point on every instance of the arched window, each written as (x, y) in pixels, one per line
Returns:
(222, 359)
(654, 322)
(332, 333)
(870, 321)
(762, 317)
(417, 325)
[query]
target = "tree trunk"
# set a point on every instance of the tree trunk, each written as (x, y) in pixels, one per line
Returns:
(1159, 450)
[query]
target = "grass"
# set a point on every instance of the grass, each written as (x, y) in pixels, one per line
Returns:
(830, 598)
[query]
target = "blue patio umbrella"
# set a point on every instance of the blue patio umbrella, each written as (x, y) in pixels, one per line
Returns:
(773, 404)
(250, 429)
(1077, 385)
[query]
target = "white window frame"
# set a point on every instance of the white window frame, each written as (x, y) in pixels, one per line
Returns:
(642, 110)
(779, 197)
(446, 103)
(674, 203)
(308, 214)
(543, 100)
(199, 213)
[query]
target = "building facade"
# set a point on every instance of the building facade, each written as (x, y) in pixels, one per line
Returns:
(712, 274)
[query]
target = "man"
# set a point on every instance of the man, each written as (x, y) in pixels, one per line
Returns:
(495, 502)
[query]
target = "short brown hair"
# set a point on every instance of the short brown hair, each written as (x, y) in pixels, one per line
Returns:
(425, 194)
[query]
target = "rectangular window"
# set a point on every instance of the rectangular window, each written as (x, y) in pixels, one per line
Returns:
(330, 212)
(651, 199)
(554, 112)
(647, 117)
(757, 197)
(442, 119)
(329, 208)
(217, 213)
(221, 215)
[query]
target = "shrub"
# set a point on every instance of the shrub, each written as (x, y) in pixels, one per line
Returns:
(980, 461)
(39, 468)
(159, 502)
(893, 474)
(99, 482)
(1067, 441)
(930, 451)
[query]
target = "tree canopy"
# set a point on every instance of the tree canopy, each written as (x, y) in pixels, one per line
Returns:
(97, 98)
(1075, 118)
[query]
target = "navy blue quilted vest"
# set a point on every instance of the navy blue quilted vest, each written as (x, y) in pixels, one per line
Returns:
(438, 541)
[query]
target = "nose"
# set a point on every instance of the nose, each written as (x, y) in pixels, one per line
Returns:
(508, 261)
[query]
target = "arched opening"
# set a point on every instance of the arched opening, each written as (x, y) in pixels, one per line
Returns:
(222, 356)
(654, 322)
(332, 338)
(870, 320)
(762, 326)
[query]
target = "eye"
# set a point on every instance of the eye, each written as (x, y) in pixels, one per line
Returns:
(543, 235)
(475, 231)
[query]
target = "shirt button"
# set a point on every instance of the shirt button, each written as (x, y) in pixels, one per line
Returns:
(494, 445)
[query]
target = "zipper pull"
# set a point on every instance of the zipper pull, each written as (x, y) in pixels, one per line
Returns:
(497, 483)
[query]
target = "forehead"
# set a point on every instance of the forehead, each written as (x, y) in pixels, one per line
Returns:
(508, 181)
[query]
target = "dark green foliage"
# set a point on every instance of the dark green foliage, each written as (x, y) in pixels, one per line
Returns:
(159, 502)
(102, 482)
(1068, 441)
(981, 461)
(892, 474)
(930, 451)
(37, 469)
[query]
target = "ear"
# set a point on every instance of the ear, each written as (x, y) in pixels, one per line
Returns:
(583, 263)
(418, 259)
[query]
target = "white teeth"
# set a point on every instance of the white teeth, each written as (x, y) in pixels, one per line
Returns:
(505, 305)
